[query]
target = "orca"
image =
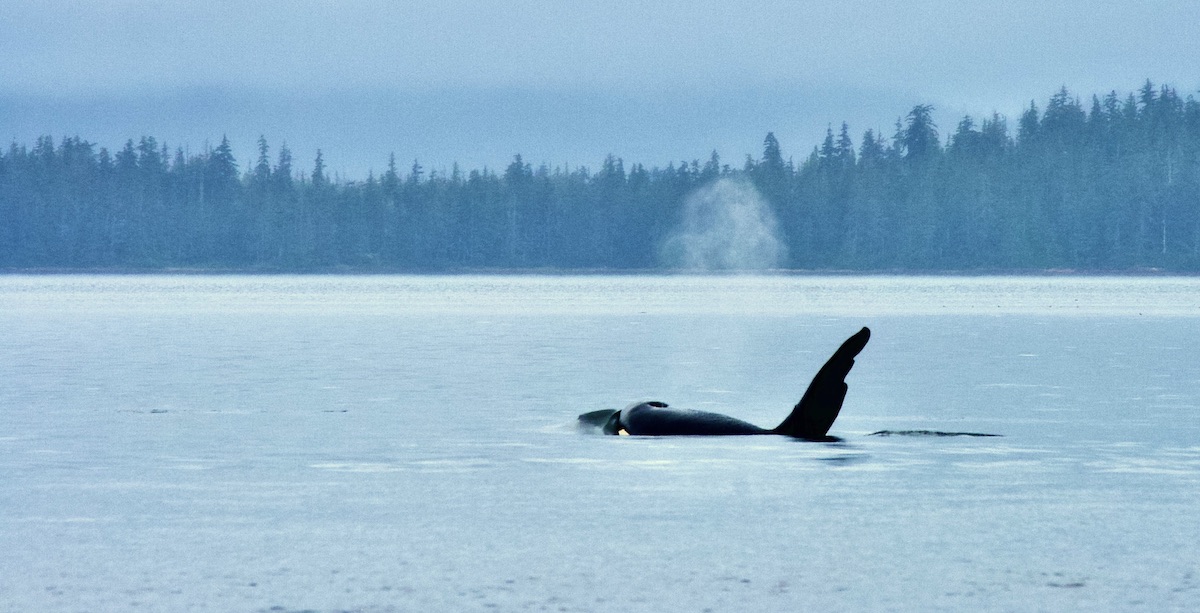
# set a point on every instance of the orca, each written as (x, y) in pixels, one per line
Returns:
(810, 419)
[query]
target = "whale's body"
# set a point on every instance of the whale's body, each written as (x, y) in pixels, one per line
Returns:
(810, 419)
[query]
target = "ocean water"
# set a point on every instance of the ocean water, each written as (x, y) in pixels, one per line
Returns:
(392, 443)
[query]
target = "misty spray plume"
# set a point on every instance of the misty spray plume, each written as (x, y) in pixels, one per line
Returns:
(727, 225)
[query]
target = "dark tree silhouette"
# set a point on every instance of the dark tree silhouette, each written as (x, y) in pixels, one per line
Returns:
(1110, 185)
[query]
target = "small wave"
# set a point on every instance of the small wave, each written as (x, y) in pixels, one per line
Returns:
(927, 433)
(357, 467)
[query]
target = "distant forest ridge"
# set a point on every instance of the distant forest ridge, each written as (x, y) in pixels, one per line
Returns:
(1110, 184)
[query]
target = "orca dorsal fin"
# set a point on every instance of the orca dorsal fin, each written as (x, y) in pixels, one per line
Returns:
(814, 415)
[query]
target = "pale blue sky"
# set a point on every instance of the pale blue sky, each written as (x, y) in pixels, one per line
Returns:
(475, 82)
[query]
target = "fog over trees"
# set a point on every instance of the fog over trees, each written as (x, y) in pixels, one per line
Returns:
(1110, 183)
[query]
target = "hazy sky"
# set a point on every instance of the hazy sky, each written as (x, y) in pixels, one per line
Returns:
(561, 82)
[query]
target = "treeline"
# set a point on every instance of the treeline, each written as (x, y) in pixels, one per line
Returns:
(1111, 185)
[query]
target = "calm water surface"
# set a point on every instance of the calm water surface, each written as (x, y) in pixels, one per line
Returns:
(228, 443)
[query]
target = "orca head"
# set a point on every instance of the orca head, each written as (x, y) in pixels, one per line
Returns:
(617, 424)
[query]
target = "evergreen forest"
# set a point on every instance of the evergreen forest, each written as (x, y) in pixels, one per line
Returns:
(1107, 184)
